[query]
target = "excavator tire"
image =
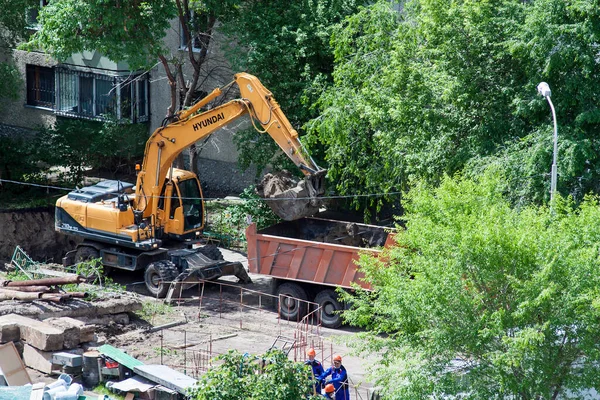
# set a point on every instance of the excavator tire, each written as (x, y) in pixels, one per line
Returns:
(211, 251)
(158, 277)
(86, 254)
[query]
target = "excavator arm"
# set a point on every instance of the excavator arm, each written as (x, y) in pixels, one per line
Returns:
(189, 126)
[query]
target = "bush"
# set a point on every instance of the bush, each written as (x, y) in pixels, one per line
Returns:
(232, 220)
(79, 144)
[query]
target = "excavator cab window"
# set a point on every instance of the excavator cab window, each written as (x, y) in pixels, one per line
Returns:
(191, 199)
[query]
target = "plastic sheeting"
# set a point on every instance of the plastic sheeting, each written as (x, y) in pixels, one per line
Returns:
(15, 392)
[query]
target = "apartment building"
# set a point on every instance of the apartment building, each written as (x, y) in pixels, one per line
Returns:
(89, 86)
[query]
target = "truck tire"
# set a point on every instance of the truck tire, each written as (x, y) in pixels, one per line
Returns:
(329, 315)
(158, 277)
(290, 307)
(211, 251)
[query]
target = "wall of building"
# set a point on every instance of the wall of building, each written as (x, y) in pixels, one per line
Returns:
(15, 112)
(218, 155)
(217, 164)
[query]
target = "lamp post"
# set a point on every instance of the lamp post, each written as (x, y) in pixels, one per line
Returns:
(544, 90)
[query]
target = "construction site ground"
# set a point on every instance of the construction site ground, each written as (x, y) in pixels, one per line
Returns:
(215, 317)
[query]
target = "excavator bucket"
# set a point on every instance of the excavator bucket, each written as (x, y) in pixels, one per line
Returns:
(291, 199)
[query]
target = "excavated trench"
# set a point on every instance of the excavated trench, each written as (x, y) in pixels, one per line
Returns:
(33, 230)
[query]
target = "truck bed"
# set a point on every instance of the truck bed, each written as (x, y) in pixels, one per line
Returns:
(314, 250)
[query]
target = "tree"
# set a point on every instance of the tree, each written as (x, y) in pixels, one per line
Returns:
(13, 27)
(485, 300)
(244, 376)
(285, 44)
(443, 86)
(133, 31)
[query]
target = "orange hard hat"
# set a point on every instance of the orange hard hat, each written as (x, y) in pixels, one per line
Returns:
(337, 357)
(329, 388)
(311, 352)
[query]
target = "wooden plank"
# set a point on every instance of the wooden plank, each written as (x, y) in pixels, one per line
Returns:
(12, 366)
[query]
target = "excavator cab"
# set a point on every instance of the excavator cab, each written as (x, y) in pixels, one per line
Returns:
(181, 205)
(193, 206)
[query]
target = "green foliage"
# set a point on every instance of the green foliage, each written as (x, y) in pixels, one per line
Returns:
(445, 85)
(103, 390)
(483, 299)
(130, 31)
(11, 83)
(288, 60)
(151, 309)
(17, 157)
(14, 20)
(94, 272)
(232, 219)
(244, 376)
(164, 351)
(77, 144)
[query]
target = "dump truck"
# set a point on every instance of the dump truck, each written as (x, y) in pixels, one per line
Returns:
(309, 258)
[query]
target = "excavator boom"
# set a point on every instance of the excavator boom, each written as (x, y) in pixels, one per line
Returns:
(190, 126)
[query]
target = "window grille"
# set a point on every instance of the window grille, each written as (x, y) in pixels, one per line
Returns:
(40, 86)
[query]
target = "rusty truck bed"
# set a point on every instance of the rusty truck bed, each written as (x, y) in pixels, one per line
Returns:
(314, 250)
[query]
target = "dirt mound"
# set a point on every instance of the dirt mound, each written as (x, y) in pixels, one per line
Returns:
(33, 230)
(291, 199)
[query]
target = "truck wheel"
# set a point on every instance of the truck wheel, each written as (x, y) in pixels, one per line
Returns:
(330, 307)
(290, 307)
(158, 277)
(211, 251)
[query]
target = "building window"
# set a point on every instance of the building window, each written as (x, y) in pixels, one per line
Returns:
(33, 14)
(134, 99)
(95, 96)
(195, 32)
(40, 86)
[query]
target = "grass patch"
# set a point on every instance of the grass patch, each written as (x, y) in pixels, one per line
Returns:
(103, 390)
(152, 309)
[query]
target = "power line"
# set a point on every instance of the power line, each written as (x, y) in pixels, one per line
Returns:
(366, 195)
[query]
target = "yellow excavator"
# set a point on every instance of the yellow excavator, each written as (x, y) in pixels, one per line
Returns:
(155, 226)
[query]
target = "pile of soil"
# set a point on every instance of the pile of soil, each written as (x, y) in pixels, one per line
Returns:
(291, 198)
(33, 230)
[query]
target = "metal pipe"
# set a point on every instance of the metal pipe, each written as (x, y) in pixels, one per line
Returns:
(30, 288)
(63, 280)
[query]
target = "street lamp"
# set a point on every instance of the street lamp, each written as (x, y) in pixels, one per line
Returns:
(544, 90)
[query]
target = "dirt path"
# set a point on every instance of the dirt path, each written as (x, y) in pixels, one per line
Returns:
(224, 316)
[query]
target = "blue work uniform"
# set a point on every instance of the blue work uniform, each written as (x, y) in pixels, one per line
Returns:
(317, 370)
(339, 378)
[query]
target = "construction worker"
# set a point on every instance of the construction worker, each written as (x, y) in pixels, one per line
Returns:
(317, 368)
(339, 378)
(329, 391)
